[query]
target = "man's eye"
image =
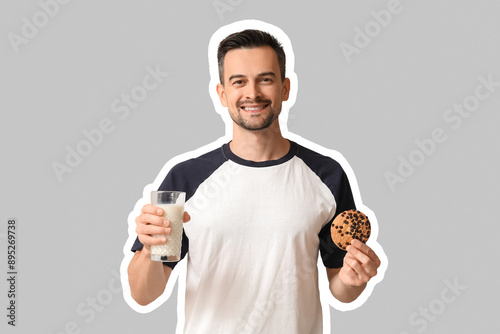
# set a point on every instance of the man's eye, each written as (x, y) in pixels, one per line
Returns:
(238, 82)
(266, 80)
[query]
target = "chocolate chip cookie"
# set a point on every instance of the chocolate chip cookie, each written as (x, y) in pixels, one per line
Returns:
(350, 224)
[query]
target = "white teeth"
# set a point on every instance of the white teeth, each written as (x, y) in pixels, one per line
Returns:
(251, 109)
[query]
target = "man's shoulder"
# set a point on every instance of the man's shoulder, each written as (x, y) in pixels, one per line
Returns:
(318, 162)
(325, 165)
(187, 175)
(207, 161)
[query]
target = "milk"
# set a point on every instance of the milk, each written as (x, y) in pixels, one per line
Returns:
(171, 250)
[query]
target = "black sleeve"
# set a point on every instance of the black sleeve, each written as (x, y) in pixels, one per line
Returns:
(332, 256)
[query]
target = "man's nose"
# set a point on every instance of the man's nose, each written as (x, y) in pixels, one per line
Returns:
(252, 91)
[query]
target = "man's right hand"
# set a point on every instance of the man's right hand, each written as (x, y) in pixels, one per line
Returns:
(147, 279)
(151, 222)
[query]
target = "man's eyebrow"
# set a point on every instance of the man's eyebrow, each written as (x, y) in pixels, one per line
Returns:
(266, 74)
(236, 76)
(239, 76)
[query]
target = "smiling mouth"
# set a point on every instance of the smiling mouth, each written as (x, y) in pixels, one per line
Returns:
(254, 108)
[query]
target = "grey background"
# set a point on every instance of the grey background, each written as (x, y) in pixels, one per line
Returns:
(434, 227)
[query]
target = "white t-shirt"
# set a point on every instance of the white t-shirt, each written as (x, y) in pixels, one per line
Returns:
(253, 239)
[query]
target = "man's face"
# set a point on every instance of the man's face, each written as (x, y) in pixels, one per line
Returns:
(253, 90)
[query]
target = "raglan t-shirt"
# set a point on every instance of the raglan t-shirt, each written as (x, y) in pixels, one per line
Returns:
(254, 236)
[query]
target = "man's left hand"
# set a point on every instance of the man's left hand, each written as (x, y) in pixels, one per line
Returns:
(360, 264)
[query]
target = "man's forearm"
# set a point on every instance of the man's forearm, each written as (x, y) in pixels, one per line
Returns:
(147, 279)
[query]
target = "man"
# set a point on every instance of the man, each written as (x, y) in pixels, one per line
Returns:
(252, 246)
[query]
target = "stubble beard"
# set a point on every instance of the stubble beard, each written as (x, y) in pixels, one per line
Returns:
(246, 124)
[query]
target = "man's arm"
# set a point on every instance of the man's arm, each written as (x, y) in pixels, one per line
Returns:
(360, 265)
(147, 278)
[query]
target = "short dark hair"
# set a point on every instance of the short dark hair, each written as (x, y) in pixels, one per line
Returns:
(248, 39)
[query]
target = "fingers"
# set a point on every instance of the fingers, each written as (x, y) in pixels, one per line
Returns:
(362, 261)
(151, 209)
(147, 218)
(149, 240)
(152, 230)
(358, 268)
(151, 214)
(151, 222)
(358, 246)
(349, 276)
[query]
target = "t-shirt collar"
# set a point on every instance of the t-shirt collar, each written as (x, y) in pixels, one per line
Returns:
(231, 156)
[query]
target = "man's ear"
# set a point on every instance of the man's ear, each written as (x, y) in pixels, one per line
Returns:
(286, 90)
(222, 94)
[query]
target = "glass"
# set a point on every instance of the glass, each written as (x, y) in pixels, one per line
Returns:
(172, 203)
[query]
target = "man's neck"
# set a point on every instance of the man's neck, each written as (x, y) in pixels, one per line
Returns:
(260, 145)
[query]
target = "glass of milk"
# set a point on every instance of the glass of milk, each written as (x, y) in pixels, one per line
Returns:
(172, 203)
